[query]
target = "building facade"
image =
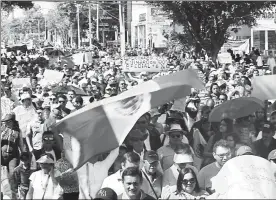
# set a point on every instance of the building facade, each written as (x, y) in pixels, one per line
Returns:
(148, 24)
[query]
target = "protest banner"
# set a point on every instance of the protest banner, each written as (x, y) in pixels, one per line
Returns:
(78, 58)
(264, 87)
(88, 57)
(18, 83)
(224, 58)
(4, 69)
(145, 63)
(52, 76)
(247, 176)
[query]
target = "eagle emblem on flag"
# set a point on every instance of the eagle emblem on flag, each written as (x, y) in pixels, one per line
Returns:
(130, 106)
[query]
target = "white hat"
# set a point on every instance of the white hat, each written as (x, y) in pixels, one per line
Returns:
(25, 96)
(182, 158)
(45, 159)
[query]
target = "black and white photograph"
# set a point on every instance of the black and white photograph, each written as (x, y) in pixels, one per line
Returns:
(138, 100)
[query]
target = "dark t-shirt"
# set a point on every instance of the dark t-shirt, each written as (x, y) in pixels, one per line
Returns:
(262, 150)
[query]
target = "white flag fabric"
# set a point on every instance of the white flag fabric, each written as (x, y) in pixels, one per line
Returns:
(102, 126)
(245, 177)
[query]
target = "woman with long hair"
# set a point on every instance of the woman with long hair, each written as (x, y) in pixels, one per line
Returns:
(187, 186)
(11, 139)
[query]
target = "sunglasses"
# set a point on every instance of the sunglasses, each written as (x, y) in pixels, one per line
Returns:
(39, 88)
(61, 101)
(175, 136)
(52, 99)
(187, 181)
(48, 139)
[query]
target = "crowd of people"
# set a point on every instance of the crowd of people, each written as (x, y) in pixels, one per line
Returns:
(161, 157)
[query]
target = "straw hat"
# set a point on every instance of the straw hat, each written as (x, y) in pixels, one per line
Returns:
(45, 160)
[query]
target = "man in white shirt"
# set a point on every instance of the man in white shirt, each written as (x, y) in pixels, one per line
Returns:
(34, 134)
(24, 114)
(114, 181)
(221, 153)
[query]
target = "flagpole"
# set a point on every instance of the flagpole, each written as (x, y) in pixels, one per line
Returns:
(122, 29)
(97, 28)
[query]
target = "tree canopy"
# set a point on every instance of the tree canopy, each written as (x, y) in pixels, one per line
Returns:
(9, 5)
(208, 22)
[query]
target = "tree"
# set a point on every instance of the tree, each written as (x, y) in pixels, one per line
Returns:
(208, 22)
(9, 5)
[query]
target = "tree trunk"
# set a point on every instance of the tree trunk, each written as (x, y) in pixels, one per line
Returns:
(214, 54)
(198, 49)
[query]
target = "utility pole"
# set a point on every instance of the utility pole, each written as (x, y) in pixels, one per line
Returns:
(122, 29)
(38, 28)
(97, 26)
(90, 26)
(78, 18)
(45, 28)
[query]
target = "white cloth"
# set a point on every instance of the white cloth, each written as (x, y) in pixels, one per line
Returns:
(39, 180)
(114, 182)
(24, 116)
(7, 105)
(91, 176)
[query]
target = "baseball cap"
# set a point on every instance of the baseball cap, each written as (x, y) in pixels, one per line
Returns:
(182, 158)
(25, 96)
(151, 156)
(243, 150)
(107, 194)
(272, 155)
(267, 127)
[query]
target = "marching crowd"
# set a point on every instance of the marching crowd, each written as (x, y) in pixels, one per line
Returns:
(161, 158)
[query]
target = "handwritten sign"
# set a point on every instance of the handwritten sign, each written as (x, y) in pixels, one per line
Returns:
(4, 69)
(78, 58)
(145, 63)
(18, 83)
(264, 87)
(245, 176)
(88, 57)
(52, 76)
(224, 58)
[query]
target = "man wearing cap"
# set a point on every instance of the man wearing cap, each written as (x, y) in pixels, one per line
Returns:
(166, 153)
(265, 145)
(24, 113)
(244, 150)
(183, 157)
(152, 174)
